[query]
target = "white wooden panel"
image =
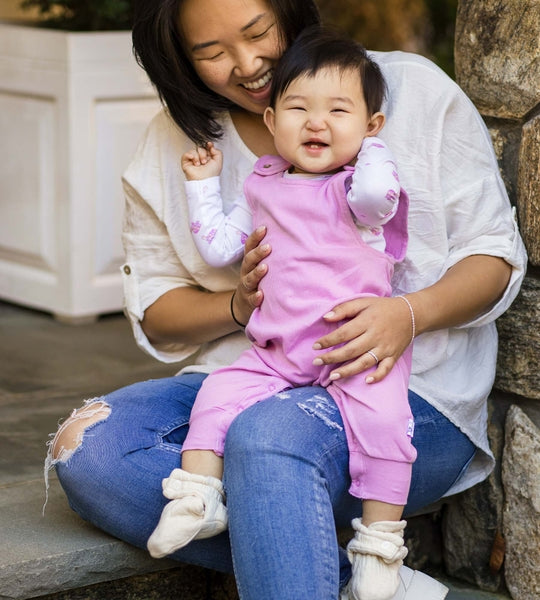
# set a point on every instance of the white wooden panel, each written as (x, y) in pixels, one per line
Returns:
(27, 173)
(119, 127)
(72, 109)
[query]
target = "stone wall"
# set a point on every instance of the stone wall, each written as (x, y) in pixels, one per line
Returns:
(491, 534)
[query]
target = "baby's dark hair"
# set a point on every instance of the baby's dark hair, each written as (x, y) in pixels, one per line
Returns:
(319, 47)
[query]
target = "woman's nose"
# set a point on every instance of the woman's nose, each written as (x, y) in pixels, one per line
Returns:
(247, 62)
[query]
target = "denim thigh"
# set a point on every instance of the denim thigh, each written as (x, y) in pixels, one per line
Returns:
(113, 479)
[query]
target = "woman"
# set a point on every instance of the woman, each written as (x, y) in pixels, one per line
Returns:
(286, 459)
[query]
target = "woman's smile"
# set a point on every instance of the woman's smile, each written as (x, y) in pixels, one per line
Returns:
(262, 82)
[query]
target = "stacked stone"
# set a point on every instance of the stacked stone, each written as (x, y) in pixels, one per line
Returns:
(492, 532)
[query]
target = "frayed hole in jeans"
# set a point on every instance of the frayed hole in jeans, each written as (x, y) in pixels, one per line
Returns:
(93, 411)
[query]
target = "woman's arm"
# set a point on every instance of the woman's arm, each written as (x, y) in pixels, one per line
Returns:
(468, 289)
(383, 325)
(191, 315)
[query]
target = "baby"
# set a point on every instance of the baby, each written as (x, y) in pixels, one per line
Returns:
(336, 231)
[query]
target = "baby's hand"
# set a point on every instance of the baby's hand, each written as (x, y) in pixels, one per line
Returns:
(202, 162)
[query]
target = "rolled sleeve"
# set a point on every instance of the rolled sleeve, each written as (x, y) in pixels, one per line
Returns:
(140, 292)
(476, 231)
(515, 255)
(152, 268)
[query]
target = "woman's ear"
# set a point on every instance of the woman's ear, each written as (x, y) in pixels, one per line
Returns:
(269, 118)
(376, 123)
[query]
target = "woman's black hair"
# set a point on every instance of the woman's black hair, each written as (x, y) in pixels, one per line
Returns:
(319, 47)
(159, 51)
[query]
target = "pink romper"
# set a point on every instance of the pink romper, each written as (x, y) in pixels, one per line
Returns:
(318, 260)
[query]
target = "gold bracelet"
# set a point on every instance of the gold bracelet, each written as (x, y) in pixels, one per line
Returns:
(232, 312)
(413, 321)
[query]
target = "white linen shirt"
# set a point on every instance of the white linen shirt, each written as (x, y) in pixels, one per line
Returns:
(458, 208)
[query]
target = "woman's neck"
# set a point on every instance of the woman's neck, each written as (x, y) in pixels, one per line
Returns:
(253, 132)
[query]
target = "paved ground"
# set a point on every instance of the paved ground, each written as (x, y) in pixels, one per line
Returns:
(46, 369)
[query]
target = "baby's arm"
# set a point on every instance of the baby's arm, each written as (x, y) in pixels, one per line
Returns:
(374, 193)
(219, 237)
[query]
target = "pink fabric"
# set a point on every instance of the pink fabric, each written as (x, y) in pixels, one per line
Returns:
(318, 260)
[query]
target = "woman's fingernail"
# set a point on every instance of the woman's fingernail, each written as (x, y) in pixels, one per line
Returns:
(329, 315)
(334, 376)
(317, 346)
(370, 379)
(318, 362)
(265, 247)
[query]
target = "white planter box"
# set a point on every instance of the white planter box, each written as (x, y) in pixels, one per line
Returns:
(72, 108)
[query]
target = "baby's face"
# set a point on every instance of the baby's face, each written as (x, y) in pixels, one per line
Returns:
(320, 121)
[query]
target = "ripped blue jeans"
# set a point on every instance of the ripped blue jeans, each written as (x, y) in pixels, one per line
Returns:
(286, 478)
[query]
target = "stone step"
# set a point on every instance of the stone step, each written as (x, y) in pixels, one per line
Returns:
(46, 555)
(57, 556)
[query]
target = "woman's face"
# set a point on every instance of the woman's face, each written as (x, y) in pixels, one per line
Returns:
(233, 45)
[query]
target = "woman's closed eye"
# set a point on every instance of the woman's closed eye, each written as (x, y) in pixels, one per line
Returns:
(213, 57)
(258, 36)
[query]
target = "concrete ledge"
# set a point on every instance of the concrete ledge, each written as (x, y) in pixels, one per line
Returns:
(60, 557)
(42, 555)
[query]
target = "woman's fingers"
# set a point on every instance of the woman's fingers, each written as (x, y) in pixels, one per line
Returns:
(370, 332)
(350, 327)
(364, 363)
(253, 269)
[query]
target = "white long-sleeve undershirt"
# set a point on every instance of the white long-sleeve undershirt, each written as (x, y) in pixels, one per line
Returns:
(372, 197)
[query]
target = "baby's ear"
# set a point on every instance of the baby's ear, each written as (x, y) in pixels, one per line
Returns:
(376, 123)
(269, 118)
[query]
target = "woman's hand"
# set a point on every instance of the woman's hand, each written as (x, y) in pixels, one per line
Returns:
(248, 296)
(382, 326)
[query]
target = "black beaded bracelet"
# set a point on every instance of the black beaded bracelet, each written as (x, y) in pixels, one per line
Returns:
(232, 312)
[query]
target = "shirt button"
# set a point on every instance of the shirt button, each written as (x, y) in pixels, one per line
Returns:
(127, 269)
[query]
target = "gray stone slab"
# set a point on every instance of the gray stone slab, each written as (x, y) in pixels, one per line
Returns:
(47, 368)
(42, 555)
(462, 592)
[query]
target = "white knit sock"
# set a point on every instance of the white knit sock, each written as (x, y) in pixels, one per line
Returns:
(376, 554)
(196, 511)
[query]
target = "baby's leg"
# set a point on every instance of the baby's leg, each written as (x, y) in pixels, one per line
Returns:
(375, 510)
(203, 462)
(197, 499)
(378, 423)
